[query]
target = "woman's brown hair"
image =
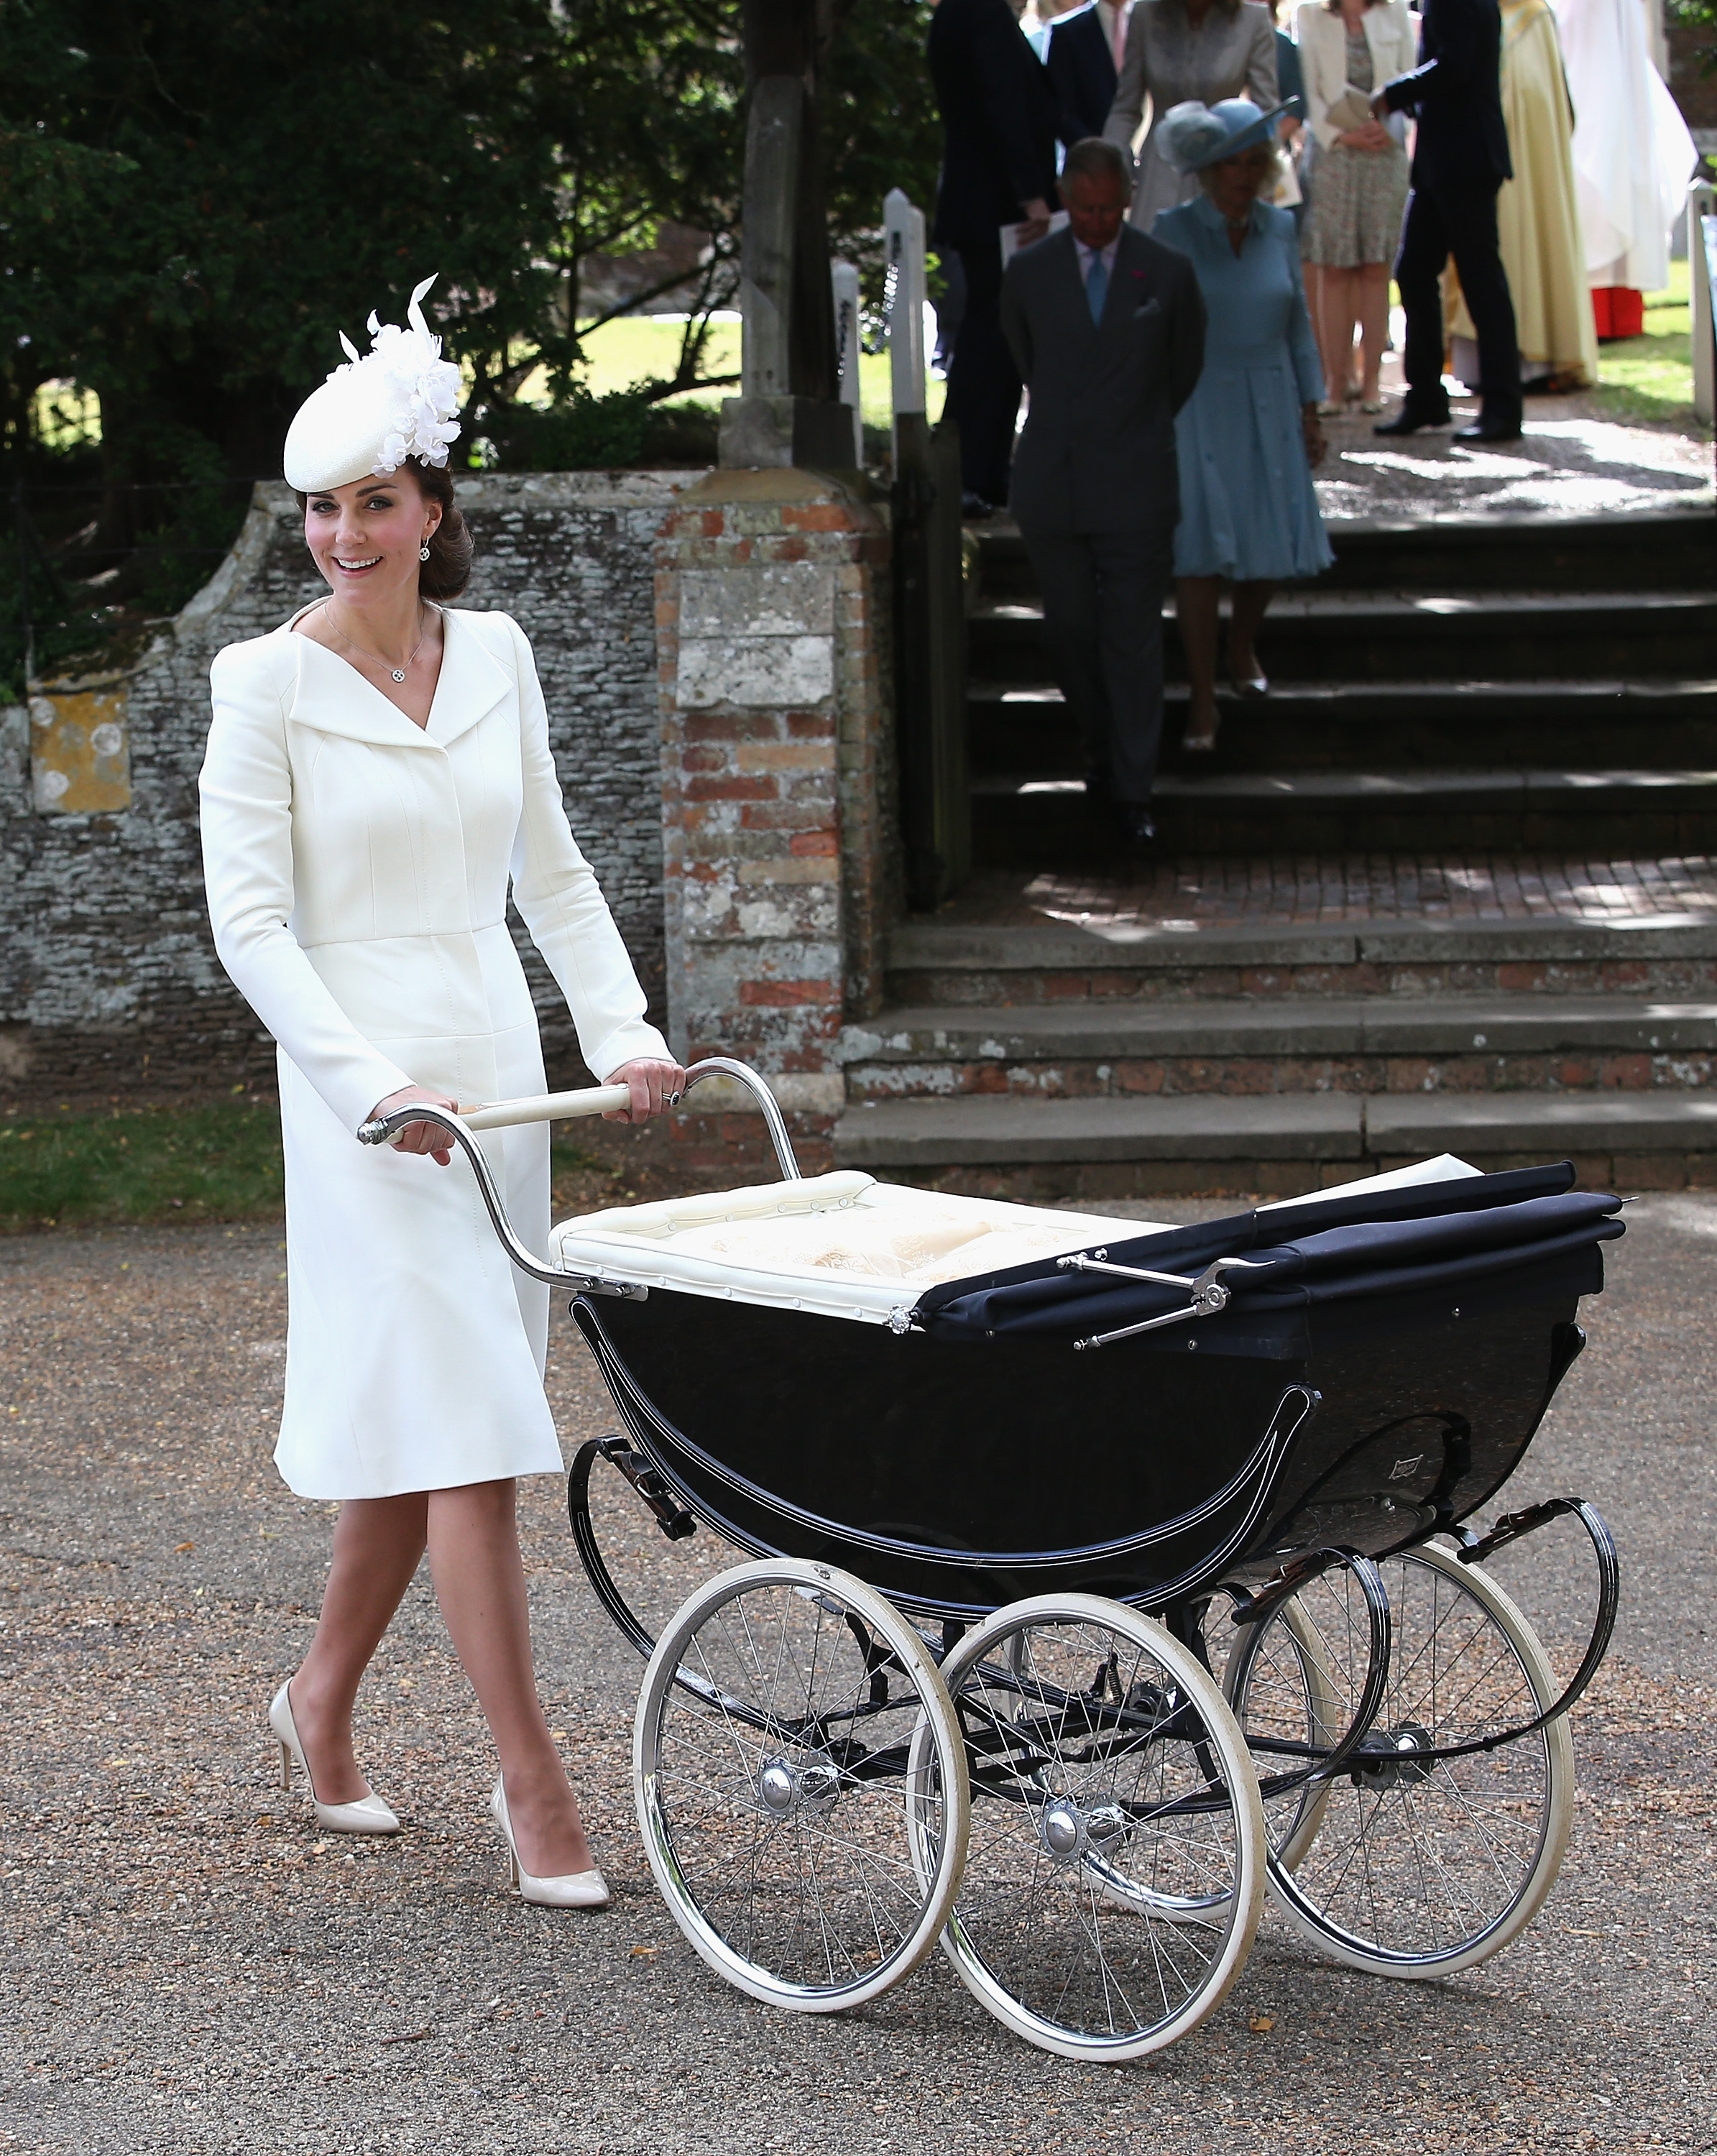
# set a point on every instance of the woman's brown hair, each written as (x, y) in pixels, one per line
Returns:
(448, 570)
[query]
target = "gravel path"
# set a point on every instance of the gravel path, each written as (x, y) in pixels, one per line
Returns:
(194, 1968)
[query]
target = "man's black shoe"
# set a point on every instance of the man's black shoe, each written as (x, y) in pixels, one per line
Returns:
(1406, 422)
(973, 508)
(1489, 430)
(1139, 827)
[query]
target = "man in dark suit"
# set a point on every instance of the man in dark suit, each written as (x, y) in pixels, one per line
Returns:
(998, 167)
(1460, 160)
(1107, 326)
(1082, 69)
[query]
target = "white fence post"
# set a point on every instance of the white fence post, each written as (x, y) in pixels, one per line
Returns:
(1701, 203)
(903, 229)
(845, 279)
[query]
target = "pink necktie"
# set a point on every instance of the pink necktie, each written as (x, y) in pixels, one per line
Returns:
(1120, 35)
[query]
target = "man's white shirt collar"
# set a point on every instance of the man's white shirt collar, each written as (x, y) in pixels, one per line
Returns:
(1086, 253)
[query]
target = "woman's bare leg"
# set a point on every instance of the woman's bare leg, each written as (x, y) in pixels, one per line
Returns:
(1246, 618)
(1197, 600)
(1338, 301)
(1374, 325)
(480, 1583)
(378, 1543)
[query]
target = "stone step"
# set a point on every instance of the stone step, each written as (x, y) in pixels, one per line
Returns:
(925, 1137)
(1667, 551)
(1313, 635)
(1282, 1044)
(1019, 821)
(1025, 730)
(1665, 955)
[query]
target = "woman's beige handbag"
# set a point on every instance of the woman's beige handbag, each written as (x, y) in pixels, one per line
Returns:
(1352, 108)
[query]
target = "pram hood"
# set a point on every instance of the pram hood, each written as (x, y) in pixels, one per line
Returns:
(1419, 1236)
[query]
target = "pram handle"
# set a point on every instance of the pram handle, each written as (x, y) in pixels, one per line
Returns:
(548, 1107)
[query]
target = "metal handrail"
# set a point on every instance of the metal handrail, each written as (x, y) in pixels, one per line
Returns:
(381, 1129)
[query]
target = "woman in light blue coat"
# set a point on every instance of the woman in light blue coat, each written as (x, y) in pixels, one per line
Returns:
(1248, 436)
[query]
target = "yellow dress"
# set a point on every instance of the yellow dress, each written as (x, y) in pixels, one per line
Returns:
(1538, 216)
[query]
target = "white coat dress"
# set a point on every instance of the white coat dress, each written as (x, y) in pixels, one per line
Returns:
(357, 868)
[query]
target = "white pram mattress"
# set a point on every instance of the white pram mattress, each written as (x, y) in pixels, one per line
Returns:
(844, 1244)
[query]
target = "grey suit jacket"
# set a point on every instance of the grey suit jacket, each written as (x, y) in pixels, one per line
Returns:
(1098, 453)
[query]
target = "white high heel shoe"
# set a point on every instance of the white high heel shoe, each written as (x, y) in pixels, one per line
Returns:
(368, 1815)
(572, 1890)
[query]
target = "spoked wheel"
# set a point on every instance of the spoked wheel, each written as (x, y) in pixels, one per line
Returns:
(1420, 1866)
(801, 1784)
(1290, 1703)
(1115, 1868)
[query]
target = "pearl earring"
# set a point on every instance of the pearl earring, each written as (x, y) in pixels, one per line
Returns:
(422, 553)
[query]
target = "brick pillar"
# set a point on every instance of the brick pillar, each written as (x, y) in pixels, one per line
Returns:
(779, 839)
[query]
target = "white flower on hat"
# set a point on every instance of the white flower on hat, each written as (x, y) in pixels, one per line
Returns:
(400, 400)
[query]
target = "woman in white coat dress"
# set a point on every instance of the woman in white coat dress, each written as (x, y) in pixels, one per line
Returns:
(377, 778)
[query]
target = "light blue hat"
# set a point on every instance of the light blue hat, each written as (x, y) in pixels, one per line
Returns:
(1193, 136)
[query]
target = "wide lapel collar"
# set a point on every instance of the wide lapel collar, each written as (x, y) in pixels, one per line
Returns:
(1129, 280)
(330, 697)
(343, 702)
(473, 680)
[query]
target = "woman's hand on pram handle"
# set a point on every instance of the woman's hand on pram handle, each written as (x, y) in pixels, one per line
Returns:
(419, 1137)
(655, 1087)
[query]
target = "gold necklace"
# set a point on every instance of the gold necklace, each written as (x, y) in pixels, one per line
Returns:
(399, 673)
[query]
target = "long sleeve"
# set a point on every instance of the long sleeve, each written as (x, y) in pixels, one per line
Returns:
(1131, 87)
(1186, 339)
(1322, 89)
(1450, 65)
(246, 792)
(1002, 60)
(1261, 63)
(1015, 324)
(558, 896)
(1301, 344)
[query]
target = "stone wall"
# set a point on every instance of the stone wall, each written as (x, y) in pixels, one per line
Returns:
(108, 984)
(772, 605)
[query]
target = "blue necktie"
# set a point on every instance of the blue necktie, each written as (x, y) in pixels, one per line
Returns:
(1097, 287)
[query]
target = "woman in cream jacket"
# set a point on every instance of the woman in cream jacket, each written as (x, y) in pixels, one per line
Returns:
(378, 780)
(1358, 185)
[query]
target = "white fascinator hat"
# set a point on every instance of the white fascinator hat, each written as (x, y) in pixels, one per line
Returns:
(1192, 135)
(397, 400)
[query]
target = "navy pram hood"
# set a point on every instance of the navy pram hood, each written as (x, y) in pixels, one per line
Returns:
(1421, 1236)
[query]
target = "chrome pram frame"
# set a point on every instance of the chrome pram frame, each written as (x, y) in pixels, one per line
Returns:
(950, 1699)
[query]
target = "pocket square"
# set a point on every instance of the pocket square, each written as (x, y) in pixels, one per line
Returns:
(1151, 306)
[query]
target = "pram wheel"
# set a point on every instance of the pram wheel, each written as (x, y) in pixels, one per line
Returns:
(1290, 1700)
(1419, 1867)
(1115, 1868)
(801, 1785)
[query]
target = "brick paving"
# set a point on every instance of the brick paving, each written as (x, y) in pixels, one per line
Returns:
(1323, 890)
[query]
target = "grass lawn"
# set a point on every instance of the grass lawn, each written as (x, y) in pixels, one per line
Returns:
(640, 347)
(219, 1162)
(1651, 377)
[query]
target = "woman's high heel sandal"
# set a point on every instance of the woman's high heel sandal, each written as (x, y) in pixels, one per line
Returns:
(367, 1815)
(572, 1890)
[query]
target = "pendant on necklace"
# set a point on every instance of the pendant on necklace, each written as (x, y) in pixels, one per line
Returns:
(398, 672)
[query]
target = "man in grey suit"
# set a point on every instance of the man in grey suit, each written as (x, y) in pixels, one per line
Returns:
(1107, 326)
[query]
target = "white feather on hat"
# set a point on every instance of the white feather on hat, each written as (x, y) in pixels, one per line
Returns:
(398, 400)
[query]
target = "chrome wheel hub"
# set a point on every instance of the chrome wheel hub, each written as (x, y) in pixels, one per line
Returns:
(1069, 1830)
(785, 1787)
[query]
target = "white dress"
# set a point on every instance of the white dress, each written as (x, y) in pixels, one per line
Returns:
(359, 868)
